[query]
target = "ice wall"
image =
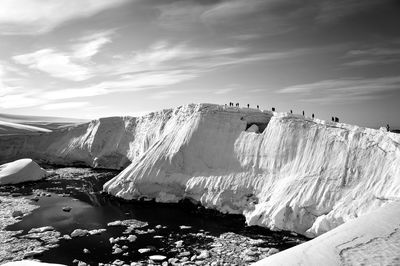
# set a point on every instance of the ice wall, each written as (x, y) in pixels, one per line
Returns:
(111, 142)
(299, 174)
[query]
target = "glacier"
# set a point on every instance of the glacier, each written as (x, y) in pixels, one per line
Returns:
(280, 170)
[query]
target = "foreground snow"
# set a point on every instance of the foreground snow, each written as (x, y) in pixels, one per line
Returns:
(20, 171)
(373, 239)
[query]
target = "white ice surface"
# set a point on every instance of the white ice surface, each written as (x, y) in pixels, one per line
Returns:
(20, 171)
(372, 239)
(299, 174)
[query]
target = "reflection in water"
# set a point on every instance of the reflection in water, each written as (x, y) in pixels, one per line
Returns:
(80, 189)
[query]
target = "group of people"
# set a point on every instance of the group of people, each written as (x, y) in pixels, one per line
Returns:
(334, 119)
(237, 105)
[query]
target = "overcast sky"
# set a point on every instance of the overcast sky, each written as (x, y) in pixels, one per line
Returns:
(92, 58)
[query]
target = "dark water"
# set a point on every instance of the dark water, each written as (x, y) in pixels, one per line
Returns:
(92, 209)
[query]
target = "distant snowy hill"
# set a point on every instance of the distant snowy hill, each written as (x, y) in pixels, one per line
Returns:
(19, 124)
(279, 170)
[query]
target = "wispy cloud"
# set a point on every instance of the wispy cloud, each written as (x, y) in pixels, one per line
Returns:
(54, 63)
(137, 82)
(331, 11)
(63, 105)
(343, 90)
(373, 56)
(89, 46)
(41, 16)
(73, 63)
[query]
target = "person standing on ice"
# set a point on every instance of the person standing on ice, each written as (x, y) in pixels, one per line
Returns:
(303, 113)
(273, 109)
(388, 128)
(312, 116)
(291, 111)
(248, 105)
(258, 107)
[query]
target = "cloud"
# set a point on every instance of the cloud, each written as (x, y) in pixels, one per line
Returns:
(343, 90)
(64, 105)
(233, 9)
(136, 82)
(54, 63)
(332, 11)
(373, 56)
(20, 100)
(89, 46)
(42, 16)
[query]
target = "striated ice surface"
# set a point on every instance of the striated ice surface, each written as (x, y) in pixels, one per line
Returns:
(279, 170)
(297, 174)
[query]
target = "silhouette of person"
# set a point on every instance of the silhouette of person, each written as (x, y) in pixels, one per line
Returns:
(273, 109)
(337, 119)
(333, 119)
(248, 105)
(388, 127)
(313, 116)
(303, 113)
(258, 107)
(291, 111)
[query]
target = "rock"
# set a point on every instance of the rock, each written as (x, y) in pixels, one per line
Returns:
(184, 254)
(131, 238)
(41, 229)
(272, 251)
(17, 214)
(249, 259)
(157, 257)
(79, 233)
(97, 231)
(185, 227)
(118, 262)
(117, 251)
(144, 250)
(179, 243)
(115, 223)
(86, 251)
(66, 209)
(66, 237)
(204, 254)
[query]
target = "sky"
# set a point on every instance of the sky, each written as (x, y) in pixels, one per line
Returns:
(97, 58)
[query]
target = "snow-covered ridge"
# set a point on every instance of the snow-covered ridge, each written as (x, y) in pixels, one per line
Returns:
(299, 174)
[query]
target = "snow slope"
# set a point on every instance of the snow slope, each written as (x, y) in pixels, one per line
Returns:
(299, 174)
(373, 239)
(20, 171)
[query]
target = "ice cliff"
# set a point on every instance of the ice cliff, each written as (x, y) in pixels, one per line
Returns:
(279, 170)
(110, 142)
(298, 174)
